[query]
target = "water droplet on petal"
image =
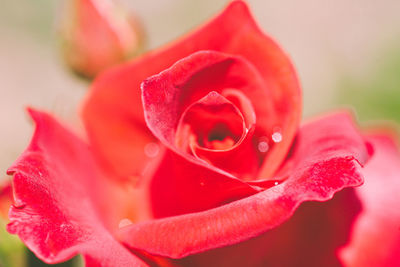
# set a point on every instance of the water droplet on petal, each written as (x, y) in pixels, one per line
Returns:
(151, 150)
(276, 183)
(277, 137)
(263, 146)
(124, 222)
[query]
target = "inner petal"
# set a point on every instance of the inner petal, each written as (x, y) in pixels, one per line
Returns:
(212, 123)
(219, 129)
(244, 104)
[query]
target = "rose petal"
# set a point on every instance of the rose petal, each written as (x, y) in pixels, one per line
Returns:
(240, 159)
(211, 113)
(310, 238)
(112, 113)
(59, 202)
(201, 118)
(375, 240)
(323, 162)
(179, 186)
(118, 140)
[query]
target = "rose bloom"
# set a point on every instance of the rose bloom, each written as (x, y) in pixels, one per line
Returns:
(194, 157)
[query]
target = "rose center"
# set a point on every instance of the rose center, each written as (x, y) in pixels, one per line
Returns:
(219, 138)
(212, 123)
(219, 129)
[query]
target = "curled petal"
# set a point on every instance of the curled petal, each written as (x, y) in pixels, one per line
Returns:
(375, 239)
(309, 238)
(319, 167)
(59, 204)
(210, 121)
(215, 131)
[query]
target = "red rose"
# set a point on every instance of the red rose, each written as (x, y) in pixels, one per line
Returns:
(219, 176)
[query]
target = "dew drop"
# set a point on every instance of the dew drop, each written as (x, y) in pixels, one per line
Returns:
(277, 137)
(151, 150)
(124, 222)
(263, 146)
(276, 183)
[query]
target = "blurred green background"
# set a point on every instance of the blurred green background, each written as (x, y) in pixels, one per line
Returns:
(347, 54)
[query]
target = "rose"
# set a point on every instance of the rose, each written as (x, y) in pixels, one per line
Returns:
(97, 34)
(71, 197)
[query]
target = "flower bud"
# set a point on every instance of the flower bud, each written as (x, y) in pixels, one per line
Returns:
(97, 34)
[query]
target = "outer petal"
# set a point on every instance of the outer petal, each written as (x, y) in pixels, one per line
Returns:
(179, 187)
(58, 192)
(325, 160)
(310, 238)
(113, 115)
(375, 240)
